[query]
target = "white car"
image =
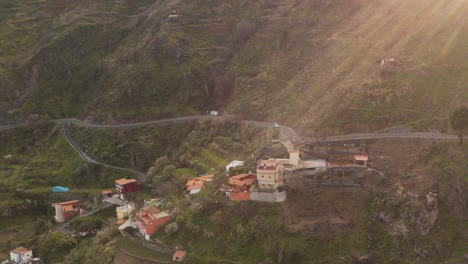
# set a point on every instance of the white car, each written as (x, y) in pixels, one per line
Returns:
(275, 125)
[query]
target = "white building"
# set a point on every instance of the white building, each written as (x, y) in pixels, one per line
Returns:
(214, 113)
(234, 164)
(21, 255)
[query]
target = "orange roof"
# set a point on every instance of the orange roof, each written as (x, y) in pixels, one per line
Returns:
(180, 254)
(22, 250)
(124, 181)
(150, 213)
(198, 183)
(242, 180)
(239, 177)
(68, 203)
(194, 187)
(361, 157)
(105, 192)
(67, 208)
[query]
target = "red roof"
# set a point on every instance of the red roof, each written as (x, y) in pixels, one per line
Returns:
(106, 192)
(179, 255)
(361, 157)
(21, 250)
(242, 179)
(74, 202)
(124, 181)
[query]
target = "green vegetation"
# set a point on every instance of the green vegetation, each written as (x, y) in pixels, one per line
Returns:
(459, 120)
(86, 224)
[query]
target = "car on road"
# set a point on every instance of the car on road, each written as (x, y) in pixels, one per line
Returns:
(275, 125)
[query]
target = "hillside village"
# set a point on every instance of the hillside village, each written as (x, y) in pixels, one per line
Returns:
(149, 131)
(268, 184)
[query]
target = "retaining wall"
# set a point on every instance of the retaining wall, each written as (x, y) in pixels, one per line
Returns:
(273, 197)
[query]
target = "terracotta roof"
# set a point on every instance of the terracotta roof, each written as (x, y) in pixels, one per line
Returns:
(124, 181)
(198, 183)
(149, 214)
(361, 157)
(105, 192)
(239, 177)
(242, 179)
(67, 208)
(180, 254)
(151, 209)
(21, 250)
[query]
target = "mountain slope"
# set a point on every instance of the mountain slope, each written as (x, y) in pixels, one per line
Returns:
(323, 67)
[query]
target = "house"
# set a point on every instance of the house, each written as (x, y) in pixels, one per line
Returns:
(179, 256)
(21, 255)
(195, 185)
(242, 182)
(361, 159)
(240, 186)
(124, 186)
(234, 164)
(107, 193)
(269, 175)
(149, 219)
(123, 212)
(66, 210)
(214, 113)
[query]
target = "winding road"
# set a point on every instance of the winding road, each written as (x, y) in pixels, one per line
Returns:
(140, 175)
(288, 135)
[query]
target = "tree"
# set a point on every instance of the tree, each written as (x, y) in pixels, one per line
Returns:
(459, 120)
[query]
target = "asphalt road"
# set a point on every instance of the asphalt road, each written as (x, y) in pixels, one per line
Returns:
(288, 135)
(140, 175)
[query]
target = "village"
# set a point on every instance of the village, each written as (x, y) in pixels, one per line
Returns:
(268, 184)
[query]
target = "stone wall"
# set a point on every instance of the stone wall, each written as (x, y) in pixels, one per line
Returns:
(273, 197)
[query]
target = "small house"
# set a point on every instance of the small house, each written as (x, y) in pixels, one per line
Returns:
(21, 255)
(66, 210)
(123, 212)
(361, 159)
(107, 193)
(242, 182)
(195, 185)
(179, 256)
(214, 113)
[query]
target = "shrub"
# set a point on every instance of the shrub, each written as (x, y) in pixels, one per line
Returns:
(171, 228)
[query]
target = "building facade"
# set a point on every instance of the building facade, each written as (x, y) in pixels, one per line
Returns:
(269, 175)
(124, 186)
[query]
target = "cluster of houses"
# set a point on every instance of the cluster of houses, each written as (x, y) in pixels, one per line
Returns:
(271, 174)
